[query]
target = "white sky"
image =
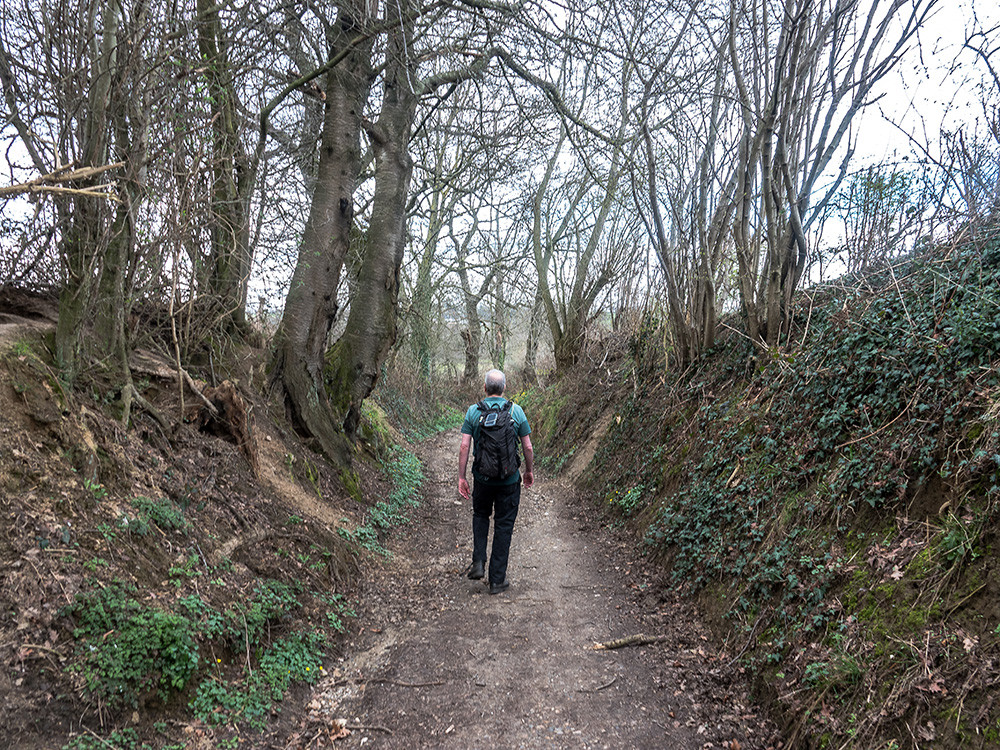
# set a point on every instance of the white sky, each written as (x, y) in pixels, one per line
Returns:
(933, 86)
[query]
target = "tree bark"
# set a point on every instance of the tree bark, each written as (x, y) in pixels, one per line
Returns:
(296, 372)
(86, 238)
(231, 180)
(472, 334)
(355, 361)
(531, 345)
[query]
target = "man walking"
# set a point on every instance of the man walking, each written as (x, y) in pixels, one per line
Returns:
(494, 426)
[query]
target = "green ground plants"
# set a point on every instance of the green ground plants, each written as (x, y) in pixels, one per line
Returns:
(252, 697)
(120, 739)
(129, 651)
(629, 500)
(403, 471)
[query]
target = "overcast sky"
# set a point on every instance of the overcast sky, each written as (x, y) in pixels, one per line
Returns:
(935, 86)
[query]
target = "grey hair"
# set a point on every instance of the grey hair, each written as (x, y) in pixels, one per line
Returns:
(496, 383)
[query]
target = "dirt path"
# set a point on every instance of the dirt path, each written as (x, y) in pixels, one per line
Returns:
(443, 664)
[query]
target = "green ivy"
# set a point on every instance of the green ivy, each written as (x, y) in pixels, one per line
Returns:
(403, 470)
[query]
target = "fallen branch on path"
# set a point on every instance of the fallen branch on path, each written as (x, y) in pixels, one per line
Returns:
(632, 640)
(368, 728)
(608, 684)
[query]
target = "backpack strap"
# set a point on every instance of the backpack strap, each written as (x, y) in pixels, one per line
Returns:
(506, 406)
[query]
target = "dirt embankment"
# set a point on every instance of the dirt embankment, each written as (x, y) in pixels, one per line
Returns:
(441, 663)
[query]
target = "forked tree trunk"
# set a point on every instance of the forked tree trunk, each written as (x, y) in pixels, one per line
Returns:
(311, 305)
(356, 359)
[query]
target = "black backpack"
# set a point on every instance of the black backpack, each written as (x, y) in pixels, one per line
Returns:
(496, 447)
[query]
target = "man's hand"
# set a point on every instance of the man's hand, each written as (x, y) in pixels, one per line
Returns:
(529, 479)
(463, 488)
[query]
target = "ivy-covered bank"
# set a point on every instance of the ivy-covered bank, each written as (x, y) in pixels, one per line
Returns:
(833, 503)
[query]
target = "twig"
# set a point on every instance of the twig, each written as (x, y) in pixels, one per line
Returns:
(99, 738)
(50, 183)
(963, 600)
(93, 192)
(147, 407)
(368, 728)
(755, 342)
(41, 648)
(883, 427)
(632, 640)
(805, 332)
(197, 391)
(747, 644)
(608, 684)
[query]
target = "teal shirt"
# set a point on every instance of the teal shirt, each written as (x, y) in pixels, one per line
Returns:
(471, 427)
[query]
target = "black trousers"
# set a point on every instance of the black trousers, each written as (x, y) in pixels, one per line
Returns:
(502, 503)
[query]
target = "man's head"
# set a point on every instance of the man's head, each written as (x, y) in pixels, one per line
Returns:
(495, 383)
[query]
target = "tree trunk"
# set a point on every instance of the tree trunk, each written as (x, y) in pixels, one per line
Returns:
(311, 304)
(357, 357)
(85, 238)
(130, 120)
(230, 227)
(472, 334)
(531, 345)
(422, 315)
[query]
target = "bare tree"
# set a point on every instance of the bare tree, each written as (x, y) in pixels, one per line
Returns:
(570, 211)
(328, 406)
(311, 305)
(803, 69)
(690, 173)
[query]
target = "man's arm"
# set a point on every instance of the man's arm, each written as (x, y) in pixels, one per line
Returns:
(529, 461)
(463, 461)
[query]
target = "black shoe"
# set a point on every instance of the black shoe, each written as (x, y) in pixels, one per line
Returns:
(478, 570)
(496, 588)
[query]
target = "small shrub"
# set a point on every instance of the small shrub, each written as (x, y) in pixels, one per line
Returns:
(337, 611)
(628, 500)
(161, 512)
